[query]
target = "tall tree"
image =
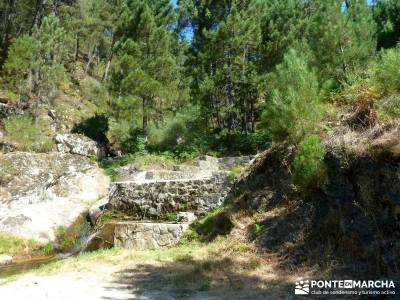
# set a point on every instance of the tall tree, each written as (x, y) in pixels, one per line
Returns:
(387, 17)
(36, 63)
(8, 11)
(145, 66)
(229, 83)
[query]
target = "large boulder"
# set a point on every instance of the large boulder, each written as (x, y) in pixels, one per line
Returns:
(78, 144)
(40, 192)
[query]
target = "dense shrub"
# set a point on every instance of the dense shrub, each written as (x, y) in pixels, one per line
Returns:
(293, 109)
(387, 71)
(389, 107)
(177, 133)
(308, 165)
(126, 137)
(241, 143)
(96, 93)
(29, 135)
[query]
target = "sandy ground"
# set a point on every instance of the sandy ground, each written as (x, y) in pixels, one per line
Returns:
(63, 287)
(154, 280)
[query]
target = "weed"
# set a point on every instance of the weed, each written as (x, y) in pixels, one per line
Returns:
(60, 230)
(235, 172)
(205, 286)
(67, 243)
(257, 229)
(10, 245)
(309, 167)
(47, 249)
(171, 217)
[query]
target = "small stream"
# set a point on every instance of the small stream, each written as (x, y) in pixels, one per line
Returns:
(25, 266)
(85, 235)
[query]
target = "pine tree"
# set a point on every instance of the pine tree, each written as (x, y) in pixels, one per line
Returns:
(36, 63)
(145, 67)
(293, 108)
(342, 38)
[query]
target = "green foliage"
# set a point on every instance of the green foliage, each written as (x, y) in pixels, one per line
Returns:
(235, 172)
(308, 165)
(47, 249)
(226, 78)
(10, 245)
(36, 63)
(171, 217)
(60, 230)
(257, 229)
(387, 73)
(21, 58)
(389, 108)
(107, 216)
(294, 108)
(67, 243)
(387, 18)
(205, 286)
(29, 135)
(145, 69)
(126, 137)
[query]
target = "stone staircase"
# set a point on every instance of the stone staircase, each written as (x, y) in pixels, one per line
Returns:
(149, 199)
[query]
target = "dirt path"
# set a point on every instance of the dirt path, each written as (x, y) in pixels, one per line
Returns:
(63, 287)
(151, 280)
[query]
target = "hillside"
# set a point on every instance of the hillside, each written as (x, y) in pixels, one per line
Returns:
(199, 149)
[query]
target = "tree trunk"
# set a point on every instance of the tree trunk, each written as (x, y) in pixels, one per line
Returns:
(110, 57)
(56, 7)
(8, 18)
(252, 115)
(39, 13)
(90, 58)
(145, 116)
(76, 54)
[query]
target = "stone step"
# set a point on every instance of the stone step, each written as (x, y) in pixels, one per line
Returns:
(137, 235)
(203, 166)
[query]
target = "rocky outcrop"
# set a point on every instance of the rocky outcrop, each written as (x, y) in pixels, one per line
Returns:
(39, 192)
(78, 144)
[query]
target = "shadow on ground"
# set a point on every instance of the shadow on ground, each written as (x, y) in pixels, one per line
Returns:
(216, 278)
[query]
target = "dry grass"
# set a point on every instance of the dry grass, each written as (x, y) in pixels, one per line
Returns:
(224, 268)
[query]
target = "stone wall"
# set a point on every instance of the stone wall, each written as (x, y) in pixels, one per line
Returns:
(147, 235)
(189, 191)
(154, 200)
